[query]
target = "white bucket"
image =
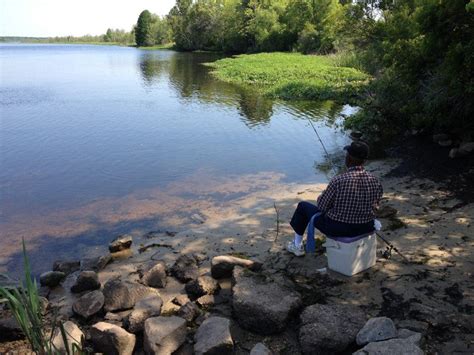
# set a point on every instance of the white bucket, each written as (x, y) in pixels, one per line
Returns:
(351, 258)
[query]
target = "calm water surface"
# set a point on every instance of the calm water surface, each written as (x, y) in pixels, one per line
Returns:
(89, 128)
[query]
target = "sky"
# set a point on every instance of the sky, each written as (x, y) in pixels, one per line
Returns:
(48, 18)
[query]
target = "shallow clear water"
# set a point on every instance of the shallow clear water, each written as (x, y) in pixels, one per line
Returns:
(81, 125)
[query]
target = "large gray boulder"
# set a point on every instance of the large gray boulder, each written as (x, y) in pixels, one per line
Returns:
(74, 336)
(144, 309)
(164, 335)
(203, 285)
(10, 330)
(51, 278)
(376, 329)
(122, 242)
(392, 347)
(111, 339)
(86, 281)
(328, 329)
(262, 304)
(123, 295)
(260, 349)
(185, 268)
(89, 304)
(213, 337)
(223, 265)
(155, 276)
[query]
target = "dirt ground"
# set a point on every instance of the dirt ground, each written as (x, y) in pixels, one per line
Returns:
(429, 224)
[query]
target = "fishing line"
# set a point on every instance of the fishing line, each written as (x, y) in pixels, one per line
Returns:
(333, 166)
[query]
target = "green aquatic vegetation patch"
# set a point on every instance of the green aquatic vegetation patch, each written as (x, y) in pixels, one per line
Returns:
(292, 75)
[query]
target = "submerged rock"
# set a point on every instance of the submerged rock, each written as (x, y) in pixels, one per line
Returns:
(120, 243)
(95, 264)
(164, 335)
(185, 268)
(213, 337)
(86, 281)
(111, 339)
(89, 304)
(52, 278)
(376, 329)
(263, 305)
(223, 265)
(68, 267)
(329, 328)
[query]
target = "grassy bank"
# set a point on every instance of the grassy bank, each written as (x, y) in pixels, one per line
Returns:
(293, 75)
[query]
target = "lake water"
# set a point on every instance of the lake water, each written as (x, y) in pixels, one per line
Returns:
(97, 140)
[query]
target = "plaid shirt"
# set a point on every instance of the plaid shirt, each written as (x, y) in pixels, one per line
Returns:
(351, 197)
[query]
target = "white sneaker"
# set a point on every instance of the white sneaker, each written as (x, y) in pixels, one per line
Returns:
(292, 248)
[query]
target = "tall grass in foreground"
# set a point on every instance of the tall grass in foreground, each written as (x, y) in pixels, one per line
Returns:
(294, 75)
(25, 304)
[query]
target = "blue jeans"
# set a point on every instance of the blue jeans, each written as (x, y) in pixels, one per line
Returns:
(326, 225)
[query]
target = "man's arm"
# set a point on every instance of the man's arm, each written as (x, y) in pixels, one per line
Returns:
(326, 199)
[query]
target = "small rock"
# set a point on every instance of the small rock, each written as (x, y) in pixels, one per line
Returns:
(155, 276)
(164, 335)
(95, 264)
(52, 278)
(261, 304)
(440, 137)
(198, 218)
(223, 265)
(376, 329)
(68, 267)
(113, 317)
(181, 300)
(260, 349)
(89, 304)
(445, 143)
(203, 285)
(206, 300)
(189, 312)
(10, 330)
(123, 295)
(415, 325)
(111, 339)
(86, 281)
(185, 268)
(336, 327)
(414, 337)
(74, 336)
(467, 147)
(213, 337)
(144, 309)
(120, 243)
(392, 347)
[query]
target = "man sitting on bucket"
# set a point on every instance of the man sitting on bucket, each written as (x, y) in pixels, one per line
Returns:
(347, 206)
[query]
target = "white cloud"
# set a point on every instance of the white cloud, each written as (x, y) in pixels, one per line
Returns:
(71, 17)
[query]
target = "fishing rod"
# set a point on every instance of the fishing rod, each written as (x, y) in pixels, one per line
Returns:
(388, 252)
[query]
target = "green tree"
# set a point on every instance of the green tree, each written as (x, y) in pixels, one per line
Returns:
(143, 31)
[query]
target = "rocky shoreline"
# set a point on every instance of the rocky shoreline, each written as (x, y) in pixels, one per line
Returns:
(195, 292)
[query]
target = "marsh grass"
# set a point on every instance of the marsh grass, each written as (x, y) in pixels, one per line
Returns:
(293, 75)
(25, 304)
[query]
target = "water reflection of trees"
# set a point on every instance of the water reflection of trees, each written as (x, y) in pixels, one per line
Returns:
(151, 67)
(191, 80)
